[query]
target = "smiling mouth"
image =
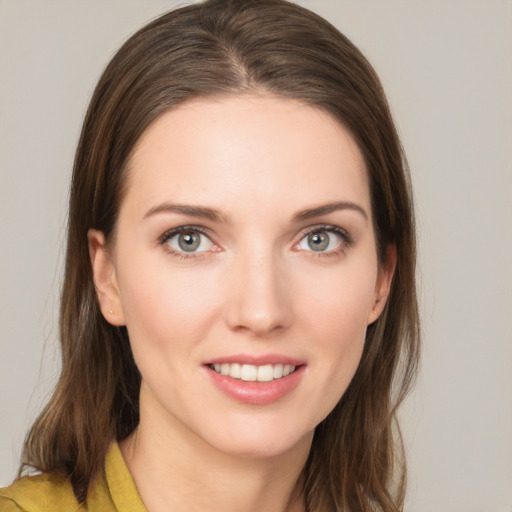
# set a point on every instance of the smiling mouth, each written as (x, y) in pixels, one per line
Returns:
(253, 373)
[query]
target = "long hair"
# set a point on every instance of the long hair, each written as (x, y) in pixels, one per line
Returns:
(213, 49)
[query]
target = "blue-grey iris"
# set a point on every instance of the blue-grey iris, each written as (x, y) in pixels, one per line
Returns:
(189, 241)
(318, 241)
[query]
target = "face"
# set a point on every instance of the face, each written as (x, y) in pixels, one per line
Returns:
(245, 270)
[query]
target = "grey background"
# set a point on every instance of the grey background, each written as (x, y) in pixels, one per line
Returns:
(447, 69)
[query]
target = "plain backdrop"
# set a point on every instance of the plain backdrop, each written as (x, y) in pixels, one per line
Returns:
(447, 68)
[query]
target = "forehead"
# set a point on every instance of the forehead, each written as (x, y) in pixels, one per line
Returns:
(217, 150)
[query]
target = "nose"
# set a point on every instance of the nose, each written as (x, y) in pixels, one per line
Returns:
(259, 300)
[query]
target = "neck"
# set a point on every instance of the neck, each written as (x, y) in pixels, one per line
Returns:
(175, 470)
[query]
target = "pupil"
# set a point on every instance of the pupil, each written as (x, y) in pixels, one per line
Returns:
(318, 241)
(189, 241)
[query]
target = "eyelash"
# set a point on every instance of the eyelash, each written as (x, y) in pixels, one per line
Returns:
(182, 255)
(348, 240)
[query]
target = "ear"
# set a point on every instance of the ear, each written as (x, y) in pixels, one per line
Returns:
(383, 284)
(105, 280)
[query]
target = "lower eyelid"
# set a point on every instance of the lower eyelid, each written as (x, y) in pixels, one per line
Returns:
(345, 239)
(167, 236)
(202, 242)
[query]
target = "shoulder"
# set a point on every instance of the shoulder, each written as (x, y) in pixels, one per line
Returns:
(110, 491)
(41, 493)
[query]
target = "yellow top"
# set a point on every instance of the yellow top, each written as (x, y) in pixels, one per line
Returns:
(113, 492)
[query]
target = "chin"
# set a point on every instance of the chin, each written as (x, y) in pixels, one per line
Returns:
(259, 439)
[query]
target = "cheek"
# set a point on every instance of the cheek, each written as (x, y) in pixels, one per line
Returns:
(340, 325)
(336, 311)
(163, 306)
(339, 302)
(168, 314)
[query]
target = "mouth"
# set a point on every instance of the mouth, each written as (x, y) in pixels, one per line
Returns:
(256, 380)
(253, 373)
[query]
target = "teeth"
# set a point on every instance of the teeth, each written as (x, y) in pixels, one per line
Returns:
(253, 373)
(249, 372)
(278, 371)
(235, 371)
(265, 373)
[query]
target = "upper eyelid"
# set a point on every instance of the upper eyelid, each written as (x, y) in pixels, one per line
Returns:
(324, 227)
(348, 239)
(170, 233)
(162, 241)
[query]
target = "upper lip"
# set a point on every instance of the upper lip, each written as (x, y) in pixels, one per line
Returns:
(256, 360)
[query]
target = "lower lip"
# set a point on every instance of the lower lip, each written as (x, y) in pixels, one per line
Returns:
(257, 393)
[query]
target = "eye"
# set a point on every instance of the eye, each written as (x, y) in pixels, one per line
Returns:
(324, 240)
(188, 240)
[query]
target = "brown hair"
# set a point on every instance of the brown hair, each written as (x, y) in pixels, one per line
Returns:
(216, 48)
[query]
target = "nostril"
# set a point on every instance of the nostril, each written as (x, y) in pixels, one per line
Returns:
(258, 300)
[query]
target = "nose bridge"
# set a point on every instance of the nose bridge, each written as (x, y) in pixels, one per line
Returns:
(259, 300)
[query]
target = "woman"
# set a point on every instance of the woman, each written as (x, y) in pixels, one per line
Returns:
(238, 317)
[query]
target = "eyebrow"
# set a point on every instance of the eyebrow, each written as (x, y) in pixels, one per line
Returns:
(184, 209)
(215, 215)
(325, 209)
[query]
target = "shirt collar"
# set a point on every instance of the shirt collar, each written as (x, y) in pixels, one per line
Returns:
(120, 482)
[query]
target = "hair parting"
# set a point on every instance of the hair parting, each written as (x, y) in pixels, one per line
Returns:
(214, 49)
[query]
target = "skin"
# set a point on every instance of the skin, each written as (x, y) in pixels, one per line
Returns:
(255, 287)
